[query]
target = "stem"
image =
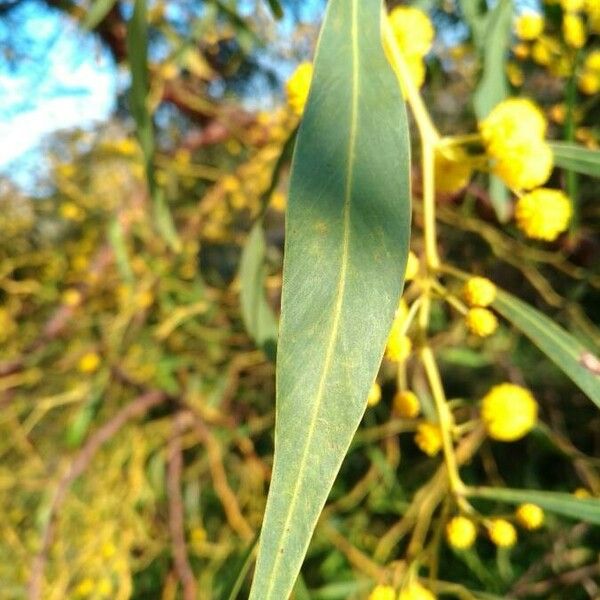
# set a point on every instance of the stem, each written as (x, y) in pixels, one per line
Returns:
(446, 424)
(429, 140)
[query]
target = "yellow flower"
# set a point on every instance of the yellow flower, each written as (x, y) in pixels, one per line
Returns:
(398, 346)
(481, 321)
(85, 587)
(383, 592)
(412, 29)
(515, 74)
(453, 170)
(574, 30)
(582, 493)
(429, 438)
(89, 362)
(479, 291)
(108, 550)
(415, 591)
(71, 212)
(502, 533)
(543, 214)
(508, 412)
(71, 297)
(544, 49)
(104, 587)
(524, 165)
(298, 86)
(406, 405)
(592, 60)
(530, 516)
(511, 121)
(374, 395)
(461, 532)
(589, 82)
(572, 5)
(529, 25)
(521, 51)
(412, 267)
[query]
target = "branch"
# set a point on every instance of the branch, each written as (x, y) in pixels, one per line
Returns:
(135, 409)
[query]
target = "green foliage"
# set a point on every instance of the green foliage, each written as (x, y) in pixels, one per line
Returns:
(347, 229)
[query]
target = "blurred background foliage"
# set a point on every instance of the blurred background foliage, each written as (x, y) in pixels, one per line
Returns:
(137, 413)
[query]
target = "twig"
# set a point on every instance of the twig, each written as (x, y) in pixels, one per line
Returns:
(135, 409)
(176, 511)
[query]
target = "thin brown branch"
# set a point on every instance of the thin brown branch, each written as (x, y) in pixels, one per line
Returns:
(135, 409)
(176, 510)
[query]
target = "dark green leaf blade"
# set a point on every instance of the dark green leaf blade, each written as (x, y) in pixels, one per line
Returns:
(576, 158)
(582, 509)
(97, 12)
(276, 8)
(259, 319)
(347, 231)
(559, 346)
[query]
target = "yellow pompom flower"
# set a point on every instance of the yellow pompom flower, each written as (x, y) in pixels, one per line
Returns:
(479, 291)
(453, 170)
(412, 267)
(512, 120)
(573, 29)
(383, 592)
(521, 51)
(544, 50)
(85, 587)
(429, 438)
(461, 532)
(592, 60)
(529, 26)
(573, 5)
(89, 362)
(502, 533)
(406, 405)
(412, 29)
(508, 412)
(298, 86)
(481, 321)
(415, 591)
(543, 214)
(582, 493)
(71, 297)
(530, 516)
(588, 82)
(525, 164)
(398, 348)
(374, 396)
(515, 74)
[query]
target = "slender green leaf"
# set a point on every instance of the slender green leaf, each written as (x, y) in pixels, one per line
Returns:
(347, 231)
(582, 509)
(559, 346)
(492, 38)
(237, 575)
(116, 237)
(137, 49)
(276, 8)
(259, 319)
(576, 158)
(97, 12)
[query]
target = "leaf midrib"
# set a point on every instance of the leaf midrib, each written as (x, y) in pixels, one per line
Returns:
(341, 286)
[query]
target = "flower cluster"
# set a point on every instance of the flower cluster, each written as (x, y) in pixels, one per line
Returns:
(508, 412)
(298, 86)
(414, 36)
(513, 135)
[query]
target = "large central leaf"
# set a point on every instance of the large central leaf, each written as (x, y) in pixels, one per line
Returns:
(347, 231)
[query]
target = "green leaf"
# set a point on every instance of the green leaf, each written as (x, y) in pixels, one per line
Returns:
(237, 573)
(116, 237)
(137, 50)
(258, 316)
(491, 36)
(559, 346)
(347, 230)
(97, 12)
(582, 509)
(576, 158)
(276, 8)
